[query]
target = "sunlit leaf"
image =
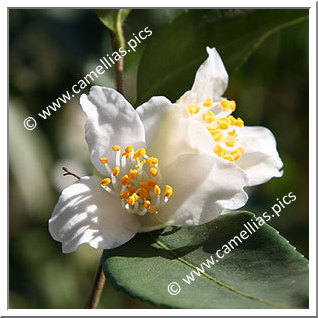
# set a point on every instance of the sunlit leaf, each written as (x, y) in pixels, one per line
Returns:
(264, 271)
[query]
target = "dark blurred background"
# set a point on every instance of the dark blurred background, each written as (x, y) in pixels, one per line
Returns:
(49, 51)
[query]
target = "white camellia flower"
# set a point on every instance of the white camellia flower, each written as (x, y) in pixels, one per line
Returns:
(214, 131)
(153, 173)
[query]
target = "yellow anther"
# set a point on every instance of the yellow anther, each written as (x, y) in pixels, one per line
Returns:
(124, 195)
(132, 173)
(232, 133)
(147, 204)
(237, 153)
(129, 148)
(225, 105)
(220, 151)
(208, 102)
(239, 122)
(105, 182)
(229, 158)
(116, 148)
(232, 105)
(209, 117)
(193, 109)
(217, 134)
(144, 193)
(131, 190)
(125, 180)
(140, 153)
(224, 123)
(104, 160)
(152, 161)
(157, 190)
(230, 142)
(153, 172)
(152, 182)
(153, 210)
(131, 200)
(128, 151)
(232, 119)
(116, 171)
(168, 191)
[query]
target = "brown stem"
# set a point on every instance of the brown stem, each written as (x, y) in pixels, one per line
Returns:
(97, 288)
(69, 173)
(119, 66)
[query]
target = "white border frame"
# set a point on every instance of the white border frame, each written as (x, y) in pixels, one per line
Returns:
(312, 163)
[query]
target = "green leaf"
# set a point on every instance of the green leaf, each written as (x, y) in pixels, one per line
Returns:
(264, 271)
(171, 58)
(111, 17)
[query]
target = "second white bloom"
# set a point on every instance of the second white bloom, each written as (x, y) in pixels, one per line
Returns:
(201, 122)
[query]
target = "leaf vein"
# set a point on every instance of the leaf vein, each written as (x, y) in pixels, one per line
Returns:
(215, 280)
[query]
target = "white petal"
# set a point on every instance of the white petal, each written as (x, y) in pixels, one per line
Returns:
(211, 80)
(111, 120)
(260, 161)
(203, 187)
(170, 132)
(85, 213)
(152, 114)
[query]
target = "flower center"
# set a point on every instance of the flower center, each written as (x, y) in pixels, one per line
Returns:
(223, 127)
(136, 181)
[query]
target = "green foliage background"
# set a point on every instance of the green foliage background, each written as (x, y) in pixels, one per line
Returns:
(49, 51)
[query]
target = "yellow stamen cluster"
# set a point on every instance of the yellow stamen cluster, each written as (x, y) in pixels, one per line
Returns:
(220, 127)
(137, 191)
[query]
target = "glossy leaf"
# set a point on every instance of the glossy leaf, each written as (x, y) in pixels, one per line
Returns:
(264, 271)
(171, 58)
